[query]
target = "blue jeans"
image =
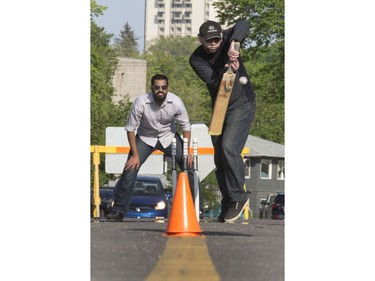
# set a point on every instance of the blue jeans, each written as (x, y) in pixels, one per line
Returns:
(125, 185)
(230, 173)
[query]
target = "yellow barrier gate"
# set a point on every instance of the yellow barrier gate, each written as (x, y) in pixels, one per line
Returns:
(97, 149)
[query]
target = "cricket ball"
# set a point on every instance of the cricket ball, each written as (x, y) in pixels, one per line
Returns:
(243, 80)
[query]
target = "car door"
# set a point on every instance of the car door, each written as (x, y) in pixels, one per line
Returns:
(267, 209)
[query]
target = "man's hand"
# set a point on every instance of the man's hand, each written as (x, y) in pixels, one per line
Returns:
(132, 163)
(232, 53)
(235, 65)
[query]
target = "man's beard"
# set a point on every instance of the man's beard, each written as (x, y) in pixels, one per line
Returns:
(161, 97)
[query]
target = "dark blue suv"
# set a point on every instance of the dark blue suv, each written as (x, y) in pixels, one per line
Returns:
(149, 199)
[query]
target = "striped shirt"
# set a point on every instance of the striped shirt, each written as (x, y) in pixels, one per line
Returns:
(157, 123)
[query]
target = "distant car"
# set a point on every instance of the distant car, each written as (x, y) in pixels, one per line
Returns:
(275, 209)
(149, 199)
(212, 213)
(263, 203)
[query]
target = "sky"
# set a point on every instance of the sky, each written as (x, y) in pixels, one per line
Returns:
(118, 13)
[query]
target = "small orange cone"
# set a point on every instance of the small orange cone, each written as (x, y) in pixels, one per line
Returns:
(183, 220)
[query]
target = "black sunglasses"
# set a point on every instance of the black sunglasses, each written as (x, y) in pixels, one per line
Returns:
(164, 87)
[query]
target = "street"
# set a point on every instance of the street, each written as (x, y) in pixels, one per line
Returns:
(138, 249)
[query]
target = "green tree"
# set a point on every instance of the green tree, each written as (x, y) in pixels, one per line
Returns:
(103, 65)
(210, 191)
(126, 44)
(263, 54)
(170, 56)
(266, 19)
(267, 75)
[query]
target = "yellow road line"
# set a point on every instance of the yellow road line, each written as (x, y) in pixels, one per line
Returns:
(184, 258)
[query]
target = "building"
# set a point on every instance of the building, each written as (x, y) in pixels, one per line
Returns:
(177, 18)
(264, 169)
(129, 79)
(162, 18)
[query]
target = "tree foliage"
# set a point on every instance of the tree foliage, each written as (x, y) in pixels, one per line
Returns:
(210, 191)
(267, 75)
(266, 19)
(126, 44)
(170, 56)
(103, 65)
(264, 58)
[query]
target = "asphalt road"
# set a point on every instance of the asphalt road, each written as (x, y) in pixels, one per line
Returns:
(138, 249)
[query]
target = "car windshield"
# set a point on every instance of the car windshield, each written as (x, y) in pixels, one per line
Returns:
(279, 199)
(147, 188)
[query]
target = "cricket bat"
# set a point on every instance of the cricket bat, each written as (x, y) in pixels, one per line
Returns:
(222, 100)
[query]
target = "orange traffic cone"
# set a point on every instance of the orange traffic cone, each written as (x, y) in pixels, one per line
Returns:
(183, 220)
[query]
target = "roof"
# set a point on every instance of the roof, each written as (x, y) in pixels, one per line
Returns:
(261, 147)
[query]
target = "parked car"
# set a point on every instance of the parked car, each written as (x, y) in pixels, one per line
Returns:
(212, 213)
(149, 199)
(263, 203)
(275, 209)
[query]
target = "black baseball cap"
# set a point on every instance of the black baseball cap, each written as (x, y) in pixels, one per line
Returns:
(210, 29)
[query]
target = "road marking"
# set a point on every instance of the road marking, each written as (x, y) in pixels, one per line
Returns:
(184, 258)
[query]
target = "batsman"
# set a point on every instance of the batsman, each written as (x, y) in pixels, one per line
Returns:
(218, 63)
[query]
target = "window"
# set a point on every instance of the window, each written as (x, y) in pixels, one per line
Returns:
(265, 169)
(177, 15)
(247, 167)
(280, 170)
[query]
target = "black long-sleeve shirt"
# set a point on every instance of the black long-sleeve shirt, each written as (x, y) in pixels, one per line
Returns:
(211, 67)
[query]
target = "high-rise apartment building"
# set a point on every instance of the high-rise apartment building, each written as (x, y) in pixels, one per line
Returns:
(177, 18)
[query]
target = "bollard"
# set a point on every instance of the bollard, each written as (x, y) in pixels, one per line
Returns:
(174, 172)
(96, 198)
(185, 155)
(196, 177)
